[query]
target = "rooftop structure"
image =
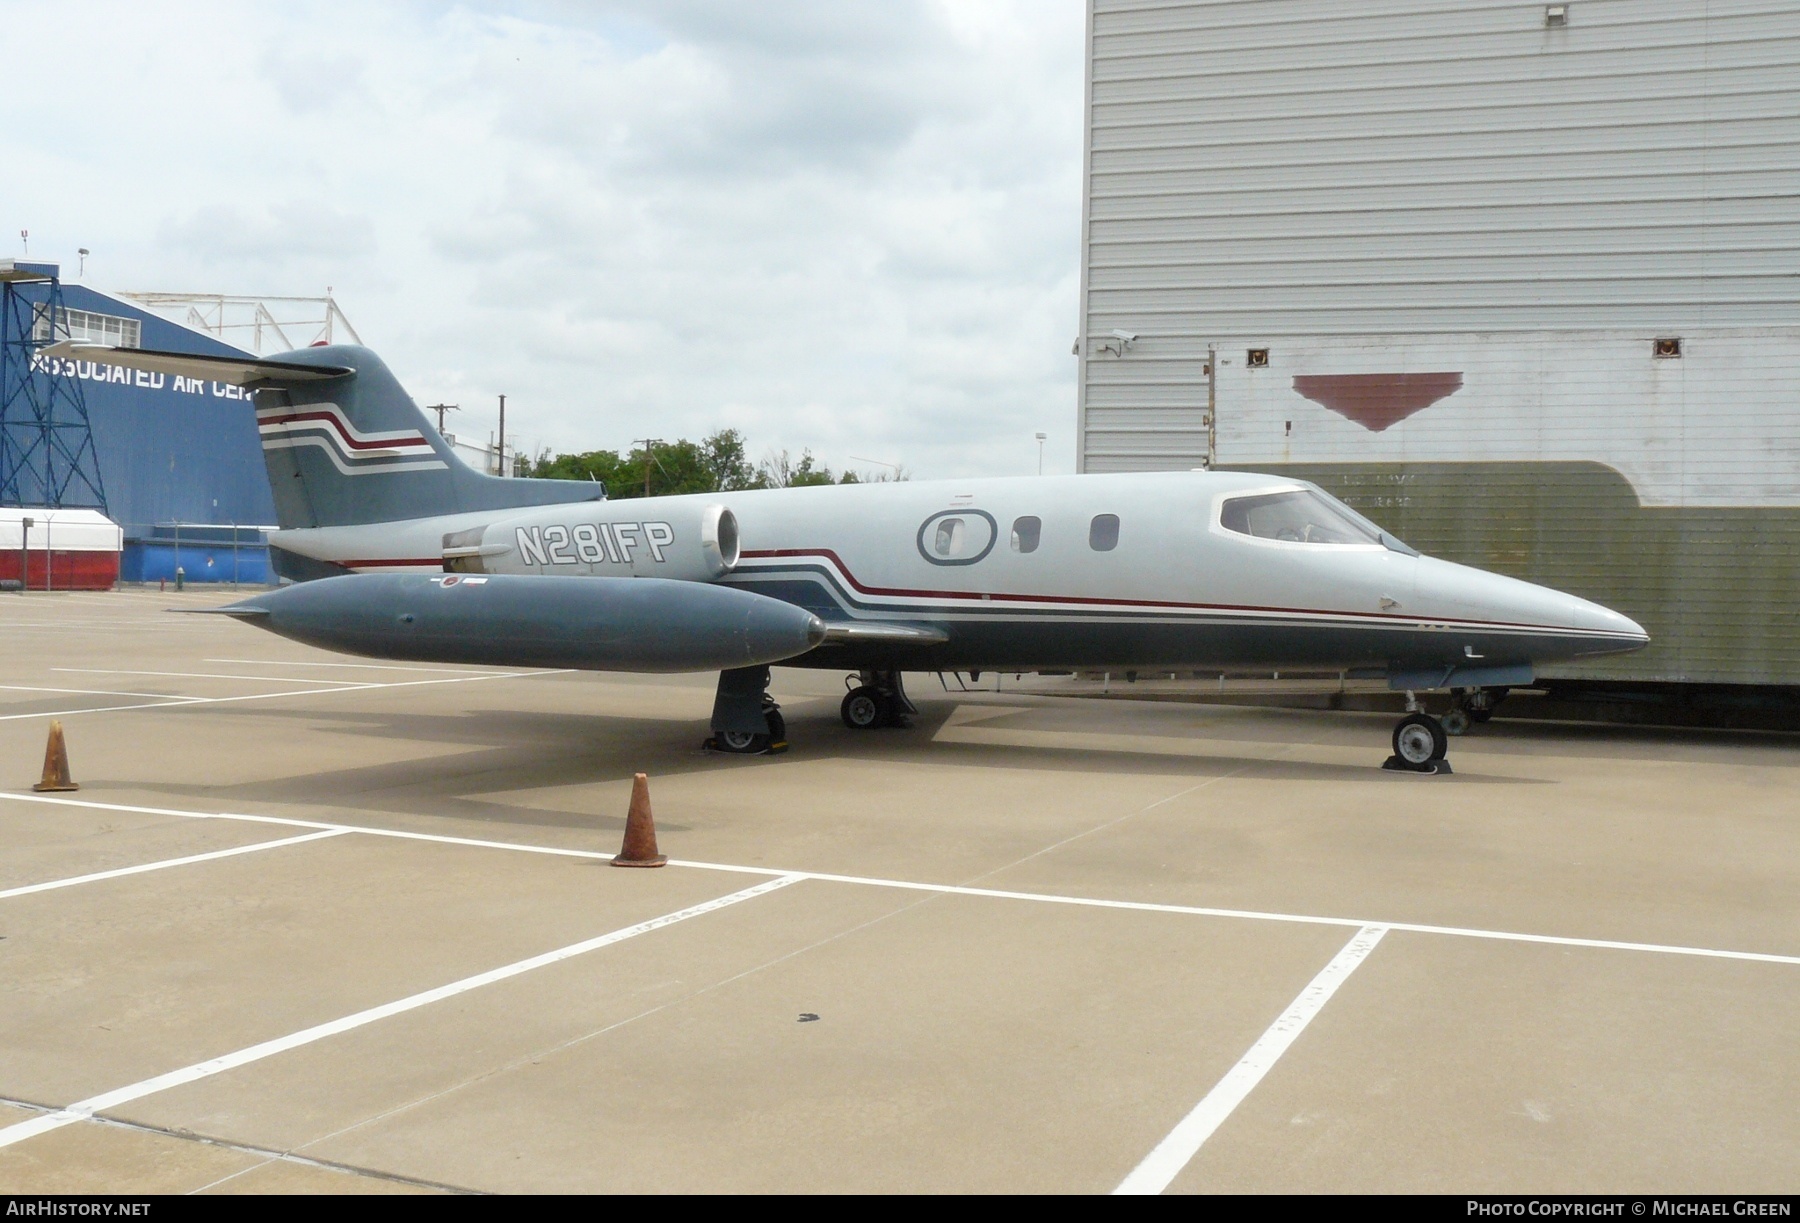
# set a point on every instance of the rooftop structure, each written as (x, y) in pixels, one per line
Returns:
(258, 325)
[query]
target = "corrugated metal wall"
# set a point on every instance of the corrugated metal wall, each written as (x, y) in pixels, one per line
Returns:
(1387, 187)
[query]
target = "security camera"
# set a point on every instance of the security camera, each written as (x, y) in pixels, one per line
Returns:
(1116, 342)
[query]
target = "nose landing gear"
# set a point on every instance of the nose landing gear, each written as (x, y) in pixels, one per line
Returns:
(1420, 742)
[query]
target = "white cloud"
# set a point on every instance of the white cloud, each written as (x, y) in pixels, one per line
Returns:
(852, 227)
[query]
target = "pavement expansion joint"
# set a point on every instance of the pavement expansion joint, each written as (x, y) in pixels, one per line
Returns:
(270, 1153)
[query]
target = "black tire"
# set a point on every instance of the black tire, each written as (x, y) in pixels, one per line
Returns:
(1420, 740)
(864, 709)
(777, 729)
(1494, 697)
(740, 743)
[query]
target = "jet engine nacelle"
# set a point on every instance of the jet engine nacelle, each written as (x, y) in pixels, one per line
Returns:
(517, 620)
(637, 538)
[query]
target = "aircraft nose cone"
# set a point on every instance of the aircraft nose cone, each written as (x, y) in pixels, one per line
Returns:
(1559, 625)
(1593, 618)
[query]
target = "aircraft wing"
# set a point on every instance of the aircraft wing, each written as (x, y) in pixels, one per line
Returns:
(238, 371)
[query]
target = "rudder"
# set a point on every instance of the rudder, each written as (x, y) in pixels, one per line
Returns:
(355, 449)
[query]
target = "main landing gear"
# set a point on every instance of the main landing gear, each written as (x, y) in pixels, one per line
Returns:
(877, 699)
(746, 721)
(1420, 742)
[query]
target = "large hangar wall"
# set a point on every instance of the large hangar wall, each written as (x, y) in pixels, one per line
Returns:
(1524, 292)
(168, 454)
(176, 457)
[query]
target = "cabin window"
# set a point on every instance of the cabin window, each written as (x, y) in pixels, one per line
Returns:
(1025, 533)
(948, 541)
(1300, 516)
(1103, 532)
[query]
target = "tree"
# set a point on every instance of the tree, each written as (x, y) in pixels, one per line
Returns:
(722, 455)
(716, 464)
(780, 470)
(604, 466)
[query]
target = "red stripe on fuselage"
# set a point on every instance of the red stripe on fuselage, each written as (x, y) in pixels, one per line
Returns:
(1085, 600)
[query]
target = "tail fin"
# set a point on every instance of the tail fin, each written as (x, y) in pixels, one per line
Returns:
(343, 443)
(356, 449)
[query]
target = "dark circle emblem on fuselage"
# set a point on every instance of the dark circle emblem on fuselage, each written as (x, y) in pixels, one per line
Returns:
(950, 537)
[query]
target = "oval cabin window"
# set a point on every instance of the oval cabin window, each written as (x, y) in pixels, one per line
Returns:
(951, 533)
(961, 536)
(1103, 532)
(1025, 533)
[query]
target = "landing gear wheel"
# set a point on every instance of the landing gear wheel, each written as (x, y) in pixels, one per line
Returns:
(1482, 704)
(740, 743)
(1456, 722)
(1420, 742)
(864, 709)
(777, 729)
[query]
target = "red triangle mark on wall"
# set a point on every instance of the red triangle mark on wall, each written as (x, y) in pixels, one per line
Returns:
(1377, 401)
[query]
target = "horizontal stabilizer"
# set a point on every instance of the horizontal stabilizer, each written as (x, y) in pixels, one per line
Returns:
(867, 632)
(237, 371)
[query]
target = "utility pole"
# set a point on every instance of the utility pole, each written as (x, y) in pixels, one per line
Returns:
(500, 456)
(1040, 442)
(440, 409)
(648, 442)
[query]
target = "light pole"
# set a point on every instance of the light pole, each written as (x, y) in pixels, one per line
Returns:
(1040, 442)
(501, 457)
(25, 525)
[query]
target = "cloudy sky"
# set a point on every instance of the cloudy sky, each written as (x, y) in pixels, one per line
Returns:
(846, 226)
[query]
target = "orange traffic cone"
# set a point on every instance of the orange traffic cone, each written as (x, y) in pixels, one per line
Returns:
(639, 848)
(56, 763)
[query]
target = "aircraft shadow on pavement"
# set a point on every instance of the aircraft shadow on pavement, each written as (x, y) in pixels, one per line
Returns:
(512, 751)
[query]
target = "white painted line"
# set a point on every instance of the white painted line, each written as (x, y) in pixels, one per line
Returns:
(81, 1110)
(273, 679)
(149, 696)
(1556, 940)
(951, 889)
(1174, 1152)
(347, 686)
(357, 666)
(168, 862)
(157, 703)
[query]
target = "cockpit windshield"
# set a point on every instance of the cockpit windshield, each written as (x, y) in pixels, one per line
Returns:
(1300, 516)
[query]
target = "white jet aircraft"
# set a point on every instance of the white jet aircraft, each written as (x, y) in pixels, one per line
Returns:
(1152, 573)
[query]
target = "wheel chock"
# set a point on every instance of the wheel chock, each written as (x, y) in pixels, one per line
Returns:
(1430, 768)
(639, 848)
(56, 764)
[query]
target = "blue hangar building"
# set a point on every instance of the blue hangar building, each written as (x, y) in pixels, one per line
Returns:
(180, 461)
